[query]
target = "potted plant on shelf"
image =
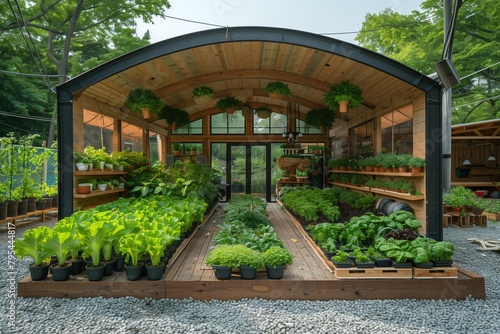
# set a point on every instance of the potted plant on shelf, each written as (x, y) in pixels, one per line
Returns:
(203, 94)
(343, 95)
(320, 118)
(228, 104)
(417, 164)
(276, 259)
(277, 89)
(177, 148)
(143, 100)
(174, 116)
(263, 112)
(81, 161)
(31, 245)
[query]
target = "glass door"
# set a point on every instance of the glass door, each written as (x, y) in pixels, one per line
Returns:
(249, 171)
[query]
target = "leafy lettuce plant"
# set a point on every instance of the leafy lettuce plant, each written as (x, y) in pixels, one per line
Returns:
(31, 245)
(93, 237)
(132, 245)
(60, 244)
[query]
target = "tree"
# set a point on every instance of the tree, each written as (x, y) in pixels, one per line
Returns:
(416, 40)
(64, 28)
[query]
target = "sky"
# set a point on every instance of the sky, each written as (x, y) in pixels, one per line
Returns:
(315, 16)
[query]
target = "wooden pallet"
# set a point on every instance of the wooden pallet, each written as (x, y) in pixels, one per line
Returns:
(436, 272)
(377, 272)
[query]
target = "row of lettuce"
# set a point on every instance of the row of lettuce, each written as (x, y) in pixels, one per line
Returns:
(394, 236)
(168, 202)
(246, 238)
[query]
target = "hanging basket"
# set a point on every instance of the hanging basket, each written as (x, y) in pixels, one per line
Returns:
(203, 99)
(246, 111)
(230, 111)
(263, 114)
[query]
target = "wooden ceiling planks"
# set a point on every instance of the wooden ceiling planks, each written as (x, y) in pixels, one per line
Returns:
(244, 69)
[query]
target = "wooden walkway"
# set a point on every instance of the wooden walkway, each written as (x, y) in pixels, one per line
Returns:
(310, 277)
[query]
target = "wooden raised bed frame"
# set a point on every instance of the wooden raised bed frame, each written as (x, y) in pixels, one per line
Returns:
(308, 278)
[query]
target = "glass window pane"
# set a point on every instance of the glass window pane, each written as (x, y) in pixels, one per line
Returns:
(131, 137)
(397, 131)
(224, 123)
(193, 128)
(97, 130)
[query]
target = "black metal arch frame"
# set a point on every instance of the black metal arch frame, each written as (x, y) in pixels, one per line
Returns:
(432, 89)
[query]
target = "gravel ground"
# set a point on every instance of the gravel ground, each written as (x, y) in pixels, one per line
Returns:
(131, 315)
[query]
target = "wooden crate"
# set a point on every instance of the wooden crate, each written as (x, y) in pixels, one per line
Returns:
(376, 273)
(436, 272)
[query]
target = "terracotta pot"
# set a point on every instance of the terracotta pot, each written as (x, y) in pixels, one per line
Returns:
(146, 113)
(343, 105)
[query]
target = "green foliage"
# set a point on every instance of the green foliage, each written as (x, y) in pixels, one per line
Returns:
(308, 202)
(172, 114)
(341, 92)
(225, 255)
(140, 98)
(250, 257)
(251, 218)
(60, 244)
(203, 91)
(133, 247)
(229, 102)
(320, 118)
(278, 87)
(277, 256)
(341, 257)
(459, 196)
(31, 245)
(420, 44)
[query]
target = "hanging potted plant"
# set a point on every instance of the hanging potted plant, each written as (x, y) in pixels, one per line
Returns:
(203, 94)
(263, 112)
(343, 95)
(228, 104)
(277, 90)
(31, 245)
(246, 110)
(174, 116)
(143, 100)
(320, 118)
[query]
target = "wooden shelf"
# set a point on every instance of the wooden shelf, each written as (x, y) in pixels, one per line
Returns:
(100, 173)
(96, 193)
(381, 192)
(408, 174)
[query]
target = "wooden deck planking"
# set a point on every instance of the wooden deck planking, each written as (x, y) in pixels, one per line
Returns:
(306, 265)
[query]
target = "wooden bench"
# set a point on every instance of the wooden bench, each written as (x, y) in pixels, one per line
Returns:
(41, 213)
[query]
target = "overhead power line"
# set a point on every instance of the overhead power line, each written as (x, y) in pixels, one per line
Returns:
(35, 118)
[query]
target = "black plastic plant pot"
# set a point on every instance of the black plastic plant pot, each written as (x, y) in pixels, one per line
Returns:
(222, 272)
(382, 262)
(39, 273)
(425, 265)
(365, 264)
(134, 273)
(95, 273)
(442, 263)
(109, 267)
(154, 273)
(61, 273)
(275, 272)
(347, 264)
(247, 272)
(402, 264)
